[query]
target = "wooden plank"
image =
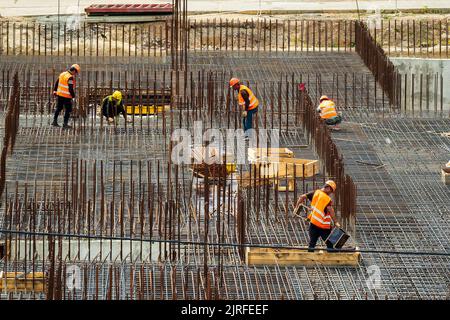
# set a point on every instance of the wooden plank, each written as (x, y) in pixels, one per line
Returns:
(297, 257)
(246, 181)
(260, 153)
(18, 281)
(283, 188)
(287, 167)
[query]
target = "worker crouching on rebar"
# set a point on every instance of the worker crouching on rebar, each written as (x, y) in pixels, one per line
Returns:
(248, 102)
(327, 110)
(112, 106)
(321, 213)
(64, 90)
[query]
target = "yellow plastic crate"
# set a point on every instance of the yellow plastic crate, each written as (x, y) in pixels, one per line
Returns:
(231, 167)
(146, 110)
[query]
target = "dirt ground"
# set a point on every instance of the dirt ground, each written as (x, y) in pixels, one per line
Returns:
(150, 38)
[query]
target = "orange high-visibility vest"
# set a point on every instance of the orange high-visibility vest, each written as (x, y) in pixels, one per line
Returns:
(63, 85)
(253, 101)
(317, 216)
(327, 109)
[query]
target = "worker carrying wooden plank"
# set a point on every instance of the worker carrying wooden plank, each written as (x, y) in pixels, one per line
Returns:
(327, 111)
(321, 214)
(112, 106)
(248, 102)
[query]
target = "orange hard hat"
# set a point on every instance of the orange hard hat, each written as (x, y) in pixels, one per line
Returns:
(324, 98)
(233, 81)
(75, 67)
(332, 184)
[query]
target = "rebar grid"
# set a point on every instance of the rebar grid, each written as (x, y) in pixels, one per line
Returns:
(387, 220)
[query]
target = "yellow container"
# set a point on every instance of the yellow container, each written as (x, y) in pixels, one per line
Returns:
(146, 109)
(231, 167)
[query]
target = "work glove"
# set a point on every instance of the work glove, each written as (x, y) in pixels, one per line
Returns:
(244, 114)
(54, 93)
(110, 120)
(337, 225)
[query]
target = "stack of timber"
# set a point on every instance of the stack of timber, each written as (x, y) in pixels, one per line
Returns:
(19, 281)
(278, 164)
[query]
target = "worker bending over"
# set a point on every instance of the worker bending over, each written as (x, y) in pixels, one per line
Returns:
(327, 110)
(321, 215)
(64, 90)
(248, 102)
(112, 106)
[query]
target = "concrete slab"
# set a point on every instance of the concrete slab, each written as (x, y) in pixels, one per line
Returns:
(426, 66)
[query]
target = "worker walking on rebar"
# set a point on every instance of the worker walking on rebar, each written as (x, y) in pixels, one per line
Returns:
(112, 106)
(248, 102)
(327, 110)
(321, 213)
(64, 90)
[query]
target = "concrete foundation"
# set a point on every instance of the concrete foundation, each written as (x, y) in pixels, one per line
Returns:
(437, 94)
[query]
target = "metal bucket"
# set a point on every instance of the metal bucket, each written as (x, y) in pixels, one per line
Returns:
(338, 237)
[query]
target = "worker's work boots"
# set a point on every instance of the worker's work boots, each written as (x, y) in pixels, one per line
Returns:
(55, 124)
(66, 126)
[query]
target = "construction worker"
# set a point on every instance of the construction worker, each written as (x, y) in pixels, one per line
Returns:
(322, 213)
(64, 90)
(112, 106)
(327, 110)
(247, 101)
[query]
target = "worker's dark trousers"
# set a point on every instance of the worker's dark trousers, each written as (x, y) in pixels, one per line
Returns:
(63, 103)
(249, 118)
(314, 234)
(334, 120)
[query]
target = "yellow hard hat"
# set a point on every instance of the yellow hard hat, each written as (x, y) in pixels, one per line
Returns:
(332, 184)
(117, 95)
(233, 81)
(324, 98)
(75, 67)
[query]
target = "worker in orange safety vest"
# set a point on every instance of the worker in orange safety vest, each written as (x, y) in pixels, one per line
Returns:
(322, 213)
(64, 90)
(327, 110)
(248, 102)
